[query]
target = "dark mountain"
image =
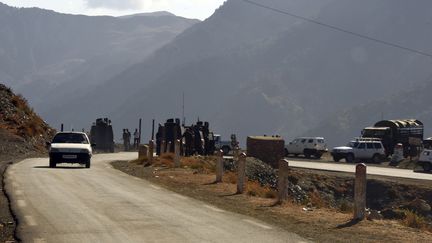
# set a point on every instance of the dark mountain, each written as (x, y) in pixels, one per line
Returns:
(253, 71)
(49, 56)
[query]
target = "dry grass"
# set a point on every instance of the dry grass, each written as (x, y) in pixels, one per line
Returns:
(315, 200)
(416, 221)
(205, 165)
(140, 161)
(165, 160)
(255, 189)
(230, 177)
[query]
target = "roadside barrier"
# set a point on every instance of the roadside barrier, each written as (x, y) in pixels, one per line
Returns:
(150, 151)
(219, 166)
(360, 192)
(241, 173)
(283, 180)
(177, 162)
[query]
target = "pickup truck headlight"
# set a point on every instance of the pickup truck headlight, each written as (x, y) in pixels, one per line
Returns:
(85, 151)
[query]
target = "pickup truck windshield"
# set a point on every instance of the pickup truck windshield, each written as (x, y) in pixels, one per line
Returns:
(70, 138)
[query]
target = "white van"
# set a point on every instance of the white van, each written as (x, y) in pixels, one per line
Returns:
(307, 146)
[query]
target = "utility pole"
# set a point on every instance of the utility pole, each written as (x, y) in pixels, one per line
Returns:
(139, 127)
(183, 111)
(153, 129)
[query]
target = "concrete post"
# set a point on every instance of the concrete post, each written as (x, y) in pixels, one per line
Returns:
(150, 151)
(177, 153)
(163, 147)
(241, 173)
(219, 166)
(283, 180)
(236, 153)
(360, 192)
(142, 151)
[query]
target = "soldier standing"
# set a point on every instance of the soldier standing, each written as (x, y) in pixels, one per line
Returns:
(125, 146)
(136, 139)
(128, 137)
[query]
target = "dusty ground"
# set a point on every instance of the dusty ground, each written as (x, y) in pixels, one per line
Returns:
(322, 225)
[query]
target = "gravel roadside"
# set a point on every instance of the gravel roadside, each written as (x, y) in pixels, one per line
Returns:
(318, 224)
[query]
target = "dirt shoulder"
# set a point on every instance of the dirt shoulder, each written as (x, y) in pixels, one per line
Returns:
(317, 224)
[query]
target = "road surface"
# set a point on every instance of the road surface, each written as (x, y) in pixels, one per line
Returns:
(371, 170)
(101, 204)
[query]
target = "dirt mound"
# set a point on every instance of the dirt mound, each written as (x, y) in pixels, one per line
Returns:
(21, 129)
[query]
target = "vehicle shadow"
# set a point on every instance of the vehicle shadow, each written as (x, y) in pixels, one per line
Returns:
(59, 167)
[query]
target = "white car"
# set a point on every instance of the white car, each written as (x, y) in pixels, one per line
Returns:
(70, 147)
(425, 160)
(308, 146)
(366, 149)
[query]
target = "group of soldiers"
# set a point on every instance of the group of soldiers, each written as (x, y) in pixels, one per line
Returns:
(195, 139)
(127, 139)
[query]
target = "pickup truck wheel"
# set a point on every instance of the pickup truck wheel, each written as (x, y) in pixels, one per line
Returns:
(286, 153)
(376, 159)
(349, 158)
(225, 150)
(336, 158)
(52, 163)
(318, 155)
(427, 167)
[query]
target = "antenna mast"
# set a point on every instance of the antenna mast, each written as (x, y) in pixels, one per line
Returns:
(183, 111)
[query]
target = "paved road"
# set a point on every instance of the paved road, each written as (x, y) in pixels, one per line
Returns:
(371, 170)
(102, 204)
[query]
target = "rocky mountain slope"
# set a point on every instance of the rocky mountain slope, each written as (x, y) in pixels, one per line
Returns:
(253, 71)
(48, 56)
(21, 129)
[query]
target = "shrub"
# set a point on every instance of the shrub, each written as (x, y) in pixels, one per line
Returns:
(345, 206)
(414, 220)
(315, 199)
(202, 165)
(255, 189)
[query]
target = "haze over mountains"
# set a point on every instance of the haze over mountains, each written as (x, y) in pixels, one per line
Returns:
(253, 71)
(49, 56)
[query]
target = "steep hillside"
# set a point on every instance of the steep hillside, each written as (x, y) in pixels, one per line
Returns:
(21, 129)
(48, 56)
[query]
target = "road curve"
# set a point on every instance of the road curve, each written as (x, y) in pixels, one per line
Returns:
(101, 204)
(371, 170)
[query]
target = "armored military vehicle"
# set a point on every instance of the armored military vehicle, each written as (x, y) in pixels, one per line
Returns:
(195, 139)
(102, 135)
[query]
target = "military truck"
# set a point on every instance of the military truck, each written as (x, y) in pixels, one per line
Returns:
(102, 135)
(408, 132)
(195, 139)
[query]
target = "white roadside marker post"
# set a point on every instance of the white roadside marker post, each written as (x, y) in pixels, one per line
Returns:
(360, 192)
(241, 173)
(219, 166)
(283, 180)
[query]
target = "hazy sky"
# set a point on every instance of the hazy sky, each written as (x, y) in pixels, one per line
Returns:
(200, 9)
